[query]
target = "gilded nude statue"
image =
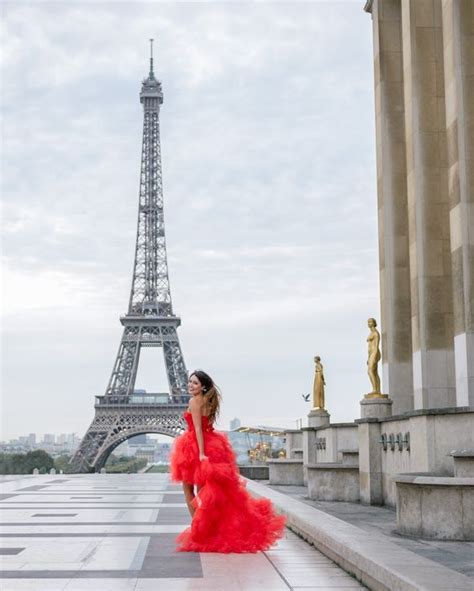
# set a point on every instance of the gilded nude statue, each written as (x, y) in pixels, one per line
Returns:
(319, 383)
(373, 341)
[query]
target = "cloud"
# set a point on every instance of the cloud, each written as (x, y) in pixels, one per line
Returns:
(267, 133)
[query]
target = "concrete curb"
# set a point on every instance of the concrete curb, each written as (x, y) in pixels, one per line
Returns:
(377, 562)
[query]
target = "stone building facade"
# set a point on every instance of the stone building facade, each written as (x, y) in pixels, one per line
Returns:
(424, 97)
(413, 449)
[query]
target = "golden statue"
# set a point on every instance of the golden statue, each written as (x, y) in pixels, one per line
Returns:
(319, 383)
(373, 341)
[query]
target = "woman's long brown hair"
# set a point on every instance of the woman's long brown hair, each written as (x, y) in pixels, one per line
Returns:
(211, 393)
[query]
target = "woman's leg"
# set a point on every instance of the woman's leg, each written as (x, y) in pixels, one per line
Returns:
(189, 496)
(198, 490)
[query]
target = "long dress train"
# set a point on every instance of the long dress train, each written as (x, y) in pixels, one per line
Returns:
(227, 518)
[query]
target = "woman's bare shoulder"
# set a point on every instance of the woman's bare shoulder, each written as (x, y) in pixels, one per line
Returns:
(196, 403)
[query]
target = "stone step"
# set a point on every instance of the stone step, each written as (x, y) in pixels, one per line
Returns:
(378, 563)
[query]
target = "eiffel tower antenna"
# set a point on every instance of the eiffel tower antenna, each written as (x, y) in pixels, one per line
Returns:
(122, 411)
(151, 59)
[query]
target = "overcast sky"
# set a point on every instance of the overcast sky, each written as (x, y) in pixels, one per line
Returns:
(268, 147)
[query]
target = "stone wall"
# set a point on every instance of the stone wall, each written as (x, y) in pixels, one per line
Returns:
(431, 438)
(330, 440)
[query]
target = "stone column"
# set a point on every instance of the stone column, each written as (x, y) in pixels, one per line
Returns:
(458, 45)
(392, 204)
(428, 205)
(370, 462)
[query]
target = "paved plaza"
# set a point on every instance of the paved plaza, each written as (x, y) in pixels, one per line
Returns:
(116, 532)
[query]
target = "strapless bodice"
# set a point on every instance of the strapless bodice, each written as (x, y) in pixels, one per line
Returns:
(206, 424)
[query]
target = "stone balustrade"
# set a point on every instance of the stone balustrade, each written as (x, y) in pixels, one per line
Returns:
(286, 471)
(333, 482)
(437, 507)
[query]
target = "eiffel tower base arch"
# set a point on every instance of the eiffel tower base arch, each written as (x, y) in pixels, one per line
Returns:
(111, 427)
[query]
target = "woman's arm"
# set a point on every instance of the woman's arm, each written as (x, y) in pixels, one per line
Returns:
(196, 413)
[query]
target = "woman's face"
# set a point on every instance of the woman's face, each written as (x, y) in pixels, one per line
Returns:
(194, 385)
(370, 323)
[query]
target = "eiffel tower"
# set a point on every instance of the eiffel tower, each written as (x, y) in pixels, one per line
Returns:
(124, 412)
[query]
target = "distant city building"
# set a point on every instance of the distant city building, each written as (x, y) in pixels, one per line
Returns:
(125, 450)
(68, 440)
(137, 440)
(234, 424)
(162, 453)
(154, 451)
(51, 443)
(146, 452)
(73, 441)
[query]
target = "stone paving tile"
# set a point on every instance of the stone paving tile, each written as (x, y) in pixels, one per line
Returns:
(325, 587)
(54, 515)
(86, 497)
(121, 538)
(223, 583)
(86, 505)
(128, 584)
(35, 585)
(10, 551)
(108, 530)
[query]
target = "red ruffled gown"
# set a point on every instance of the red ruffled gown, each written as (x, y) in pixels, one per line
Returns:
(227, 518)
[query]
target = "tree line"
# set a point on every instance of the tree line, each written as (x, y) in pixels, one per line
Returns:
(25, 463)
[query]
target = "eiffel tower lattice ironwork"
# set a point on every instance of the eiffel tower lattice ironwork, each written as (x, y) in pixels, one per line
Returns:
(124, 412)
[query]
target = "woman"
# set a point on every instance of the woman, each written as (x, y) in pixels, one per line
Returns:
(225, 517)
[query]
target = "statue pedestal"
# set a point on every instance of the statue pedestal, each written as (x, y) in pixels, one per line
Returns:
(318, 417)
(372, 407)
(376, 406)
